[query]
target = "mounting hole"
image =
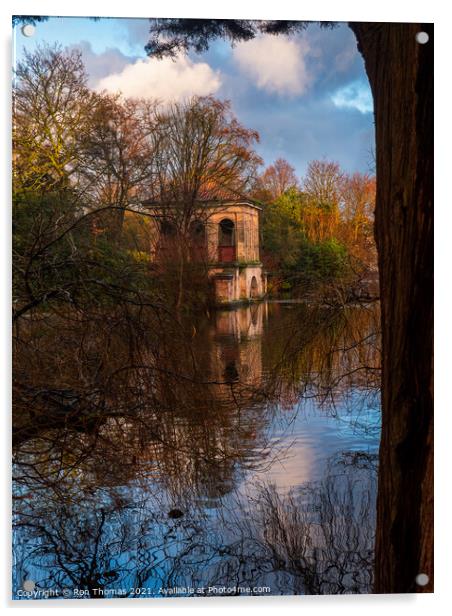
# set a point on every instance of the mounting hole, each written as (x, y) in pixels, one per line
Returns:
(28, 30)
(422, 38)
(422, 579)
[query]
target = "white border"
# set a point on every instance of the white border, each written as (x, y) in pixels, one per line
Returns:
(330, 10)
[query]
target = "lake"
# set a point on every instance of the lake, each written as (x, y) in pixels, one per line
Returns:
(231, 453)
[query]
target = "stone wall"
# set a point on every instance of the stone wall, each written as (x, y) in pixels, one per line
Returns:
(238, 283)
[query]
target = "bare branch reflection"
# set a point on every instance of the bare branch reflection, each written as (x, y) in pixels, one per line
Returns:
(142, 447)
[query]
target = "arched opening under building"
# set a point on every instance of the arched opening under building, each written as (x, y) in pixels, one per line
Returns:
(254, 288)
(226, 241)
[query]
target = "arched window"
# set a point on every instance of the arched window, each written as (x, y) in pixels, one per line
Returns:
(167, 229)
(226, 240)
(197, 240)
(168, 234)
(198, 232)
(227, 236)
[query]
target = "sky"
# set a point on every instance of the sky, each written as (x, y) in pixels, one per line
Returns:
(307, 95)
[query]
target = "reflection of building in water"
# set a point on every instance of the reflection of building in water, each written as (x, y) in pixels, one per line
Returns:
(224, 235)
(237, 348)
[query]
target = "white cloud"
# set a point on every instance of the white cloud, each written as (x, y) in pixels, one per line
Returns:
(99, 65)
(275, 64)
(355, 95)
(163, 79)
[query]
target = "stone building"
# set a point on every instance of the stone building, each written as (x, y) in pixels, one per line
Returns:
(224, 236)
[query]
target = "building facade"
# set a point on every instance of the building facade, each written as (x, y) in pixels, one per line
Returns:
(224, 236)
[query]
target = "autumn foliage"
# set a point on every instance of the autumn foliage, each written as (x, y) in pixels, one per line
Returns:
(317, 229)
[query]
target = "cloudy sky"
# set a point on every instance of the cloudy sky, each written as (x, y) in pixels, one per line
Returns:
(307, 95)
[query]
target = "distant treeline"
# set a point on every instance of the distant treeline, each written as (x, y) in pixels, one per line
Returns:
(317, 230)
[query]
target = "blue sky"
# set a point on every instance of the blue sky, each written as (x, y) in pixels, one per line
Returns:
(307, 95)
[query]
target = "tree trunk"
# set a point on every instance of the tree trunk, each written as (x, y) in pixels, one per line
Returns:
(400, 72)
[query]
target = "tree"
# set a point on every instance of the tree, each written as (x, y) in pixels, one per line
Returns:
(116, 156)
(79, 158)
(202, 152)
(358, 203)
(51, 105)
(300, 259)
(404, 236)
(275, 181)
(322, 187)
(358, 196)
(401, 80)
(282, 232)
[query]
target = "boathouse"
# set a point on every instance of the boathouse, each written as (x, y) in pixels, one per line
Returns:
(222, 235)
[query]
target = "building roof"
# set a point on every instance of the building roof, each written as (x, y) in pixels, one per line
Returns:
(211, 203)
(212, 194)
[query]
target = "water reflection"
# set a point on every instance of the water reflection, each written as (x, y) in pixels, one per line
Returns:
(234, 451)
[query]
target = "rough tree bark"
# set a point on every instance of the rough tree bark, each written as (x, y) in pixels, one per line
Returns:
(400, 72)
